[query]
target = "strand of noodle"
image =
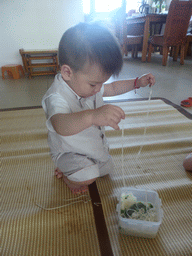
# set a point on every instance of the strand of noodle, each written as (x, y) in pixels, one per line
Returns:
(122, 136)
(141, 147)
(122, 156)
(62, 206)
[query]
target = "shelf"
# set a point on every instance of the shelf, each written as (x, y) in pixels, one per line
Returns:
(31, 56)
(41, 57)
(42, 73)
(42, 65)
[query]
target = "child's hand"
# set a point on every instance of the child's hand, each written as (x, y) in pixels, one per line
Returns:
(108, 115)
(147, 79)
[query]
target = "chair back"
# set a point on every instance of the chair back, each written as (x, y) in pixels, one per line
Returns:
(177, 22)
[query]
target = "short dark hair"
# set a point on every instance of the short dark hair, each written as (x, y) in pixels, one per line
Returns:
(91, 42)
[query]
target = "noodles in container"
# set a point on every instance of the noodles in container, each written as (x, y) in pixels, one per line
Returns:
(139, 212)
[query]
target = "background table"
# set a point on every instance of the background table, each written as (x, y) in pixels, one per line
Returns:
(147, 21)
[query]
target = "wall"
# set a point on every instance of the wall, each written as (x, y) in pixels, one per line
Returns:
(34, 24)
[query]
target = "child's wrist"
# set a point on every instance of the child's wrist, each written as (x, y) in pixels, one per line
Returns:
(136, 84)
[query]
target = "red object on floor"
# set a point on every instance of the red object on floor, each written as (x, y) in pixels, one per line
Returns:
(187, 103)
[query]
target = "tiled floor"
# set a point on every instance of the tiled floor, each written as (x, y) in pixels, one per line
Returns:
(173, 82)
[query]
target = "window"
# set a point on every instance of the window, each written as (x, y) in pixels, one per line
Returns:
(106, 6)
(86, 6)
(101, 9)
(133, 5)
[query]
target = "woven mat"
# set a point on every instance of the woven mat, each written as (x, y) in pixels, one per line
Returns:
(167, 141)
(27, 180)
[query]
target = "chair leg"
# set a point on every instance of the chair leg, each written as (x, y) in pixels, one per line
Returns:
(165, 55)
(182, 54)
(133, 51)
(176, 52)
(186, 48)
(149, 52)
(136, 51)
(125, 49)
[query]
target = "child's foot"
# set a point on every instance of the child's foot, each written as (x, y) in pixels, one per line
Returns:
(58, 173)
(75, 188)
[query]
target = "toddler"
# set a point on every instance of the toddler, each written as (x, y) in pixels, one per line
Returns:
(89, 55)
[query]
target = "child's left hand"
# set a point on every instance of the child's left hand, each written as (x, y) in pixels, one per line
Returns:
(147, 79)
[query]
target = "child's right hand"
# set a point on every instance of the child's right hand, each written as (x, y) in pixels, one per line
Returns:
(108, 115)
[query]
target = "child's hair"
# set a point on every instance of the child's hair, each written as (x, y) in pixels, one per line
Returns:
(90, 42)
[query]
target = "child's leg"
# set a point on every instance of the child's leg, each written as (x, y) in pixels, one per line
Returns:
(78, 171)
(78, 187)
(106, 167)
(75, 189)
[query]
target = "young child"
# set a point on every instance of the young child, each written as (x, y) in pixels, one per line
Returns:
(89, 55)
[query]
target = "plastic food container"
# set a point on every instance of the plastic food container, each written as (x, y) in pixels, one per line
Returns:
(136, 227)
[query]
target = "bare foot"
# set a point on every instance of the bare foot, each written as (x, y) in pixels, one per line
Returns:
(74, 187)
(58, 173)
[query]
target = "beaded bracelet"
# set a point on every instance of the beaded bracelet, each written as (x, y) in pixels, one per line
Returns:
(135, 84)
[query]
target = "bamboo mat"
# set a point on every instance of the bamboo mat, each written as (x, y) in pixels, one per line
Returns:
(167, 141)
(89, 228)
(27, 178)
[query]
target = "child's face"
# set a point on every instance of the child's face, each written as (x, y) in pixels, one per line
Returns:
(89, 81)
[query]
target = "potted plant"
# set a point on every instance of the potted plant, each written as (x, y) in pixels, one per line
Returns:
(158, 4)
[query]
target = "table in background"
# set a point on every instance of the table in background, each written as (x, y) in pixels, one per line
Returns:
(40, 62)
(146, 20)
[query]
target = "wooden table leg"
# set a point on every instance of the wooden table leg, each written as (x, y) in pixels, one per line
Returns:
(145, 39)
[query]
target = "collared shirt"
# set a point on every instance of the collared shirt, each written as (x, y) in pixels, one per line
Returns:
(60, 98)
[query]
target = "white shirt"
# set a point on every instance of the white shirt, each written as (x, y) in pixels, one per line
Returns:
(60, 98)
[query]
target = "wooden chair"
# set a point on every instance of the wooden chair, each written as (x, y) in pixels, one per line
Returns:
(175, 51)
(131, 40)
(175, 30)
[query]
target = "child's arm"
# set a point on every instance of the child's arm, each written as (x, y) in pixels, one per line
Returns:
(123, 86)
(70, 124)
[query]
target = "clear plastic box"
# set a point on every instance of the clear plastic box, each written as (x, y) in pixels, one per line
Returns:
(140, 228)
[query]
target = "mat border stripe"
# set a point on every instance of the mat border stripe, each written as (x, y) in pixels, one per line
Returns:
(102, 233)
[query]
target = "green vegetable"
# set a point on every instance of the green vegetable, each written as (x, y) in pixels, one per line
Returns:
(138, 207)
(135, 208)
